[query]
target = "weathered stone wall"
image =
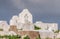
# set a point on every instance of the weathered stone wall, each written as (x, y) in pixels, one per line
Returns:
(13, 28)
(31, 34)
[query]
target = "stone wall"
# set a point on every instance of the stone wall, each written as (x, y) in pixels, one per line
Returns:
(45, 34)
(13, 28)
(31, 34)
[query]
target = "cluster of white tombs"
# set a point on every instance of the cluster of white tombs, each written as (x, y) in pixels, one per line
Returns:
(24, 21)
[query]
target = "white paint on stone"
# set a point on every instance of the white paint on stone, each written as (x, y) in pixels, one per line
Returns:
(25, 15)
(25, 22)
(46, 33)
(4, 25)
(14, 20)
(47, 26)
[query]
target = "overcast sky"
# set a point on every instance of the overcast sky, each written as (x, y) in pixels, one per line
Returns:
(42, 10)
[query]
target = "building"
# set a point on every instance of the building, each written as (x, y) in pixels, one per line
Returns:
(4, 26)
(25, 16)
(23, 21)
(46, 34)
(23, 25)
(47, 26)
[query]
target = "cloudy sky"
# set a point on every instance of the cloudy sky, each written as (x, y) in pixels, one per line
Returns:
(42, 10)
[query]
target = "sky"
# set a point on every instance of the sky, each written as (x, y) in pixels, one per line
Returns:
(42, 10)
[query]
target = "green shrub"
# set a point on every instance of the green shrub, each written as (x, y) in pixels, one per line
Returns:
(58, 38)
(11, 37)
(38, 38)
(36, 28)
(48, 38)
(27, 37)
(57, 31)
(1, 29)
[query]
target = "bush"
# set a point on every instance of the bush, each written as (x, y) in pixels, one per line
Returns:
(36, 28)
(27, 37)
(38, 38)
(48, 38)
(1, 29)
(10, 37)
(57, 31)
